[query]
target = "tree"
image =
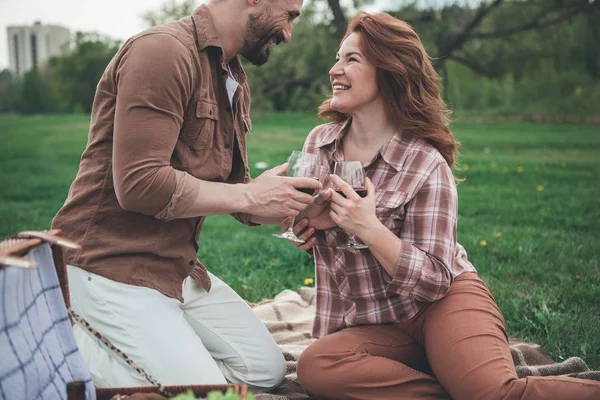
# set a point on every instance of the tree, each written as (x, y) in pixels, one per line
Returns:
(77, 72)
(10, 96)
(461, 33)
(169, 11)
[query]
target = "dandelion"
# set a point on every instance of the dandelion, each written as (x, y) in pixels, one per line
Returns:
(540, 188)
(483, 243)
(308, 281)
(493, 164)
(498, 235)
(520, 169)
(577, 277)
(261, 165)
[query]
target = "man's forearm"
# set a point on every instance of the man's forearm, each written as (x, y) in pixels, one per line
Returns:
(194, 197)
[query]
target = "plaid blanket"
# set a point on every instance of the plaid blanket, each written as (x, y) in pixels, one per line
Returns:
(290, 315)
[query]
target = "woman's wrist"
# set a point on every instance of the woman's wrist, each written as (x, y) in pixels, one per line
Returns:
(372, 233)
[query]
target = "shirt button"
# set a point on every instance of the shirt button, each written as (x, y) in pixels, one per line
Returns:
(227, 145)
(224, 72)
(192, 262)
(228, 109)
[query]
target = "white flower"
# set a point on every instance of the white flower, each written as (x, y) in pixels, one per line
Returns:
(261, 165)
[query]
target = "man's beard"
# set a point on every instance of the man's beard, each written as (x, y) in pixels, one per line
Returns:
(256, 39)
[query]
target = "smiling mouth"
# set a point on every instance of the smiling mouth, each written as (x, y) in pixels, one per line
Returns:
(340, 87)
(275, 40)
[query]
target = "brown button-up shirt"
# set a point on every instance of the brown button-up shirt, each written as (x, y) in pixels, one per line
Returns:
(161, 120)
(416, 198)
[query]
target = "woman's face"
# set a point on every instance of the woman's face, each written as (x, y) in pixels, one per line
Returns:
(353, 78)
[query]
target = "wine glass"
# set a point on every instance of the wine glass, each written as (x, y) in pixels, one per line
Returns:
(307, 165)
(353, 173)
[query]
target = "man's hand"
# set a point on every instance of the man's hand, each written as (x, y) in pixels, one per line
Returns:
(302, 231)
(272, 195)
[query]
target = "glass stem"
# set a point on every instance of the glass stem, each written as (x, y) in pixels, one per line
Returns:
(291, 228)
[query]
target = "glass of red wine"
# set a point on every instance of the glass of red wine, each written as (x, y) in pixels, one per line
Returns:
(306, 165)
(353, 173)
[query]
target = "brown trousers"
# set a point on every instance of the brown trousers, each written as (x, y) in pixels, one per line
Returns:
(455, 348)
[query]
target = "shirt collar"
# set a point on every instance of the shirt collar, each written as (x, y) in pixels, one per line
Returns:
(207, 36)
(394, 152)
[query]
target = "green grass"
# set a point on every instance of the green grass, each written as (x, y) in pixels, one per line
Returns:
(543, 269)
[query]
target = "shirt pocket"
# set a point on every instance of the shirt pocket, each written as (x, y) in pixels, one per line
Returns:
(389, 207)
(200, 130)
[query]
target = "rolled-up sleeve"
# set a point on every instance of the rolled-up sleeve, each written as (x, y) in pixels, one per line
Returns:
(154, 85)
(424, 267)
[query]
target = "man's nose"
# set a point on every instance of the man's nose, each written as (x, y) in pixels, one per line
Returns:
(287, 35)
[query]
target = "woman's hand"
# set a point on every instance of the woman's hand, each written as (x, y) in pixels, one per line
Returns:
(318, 212)
(319, 205)
(353, 214)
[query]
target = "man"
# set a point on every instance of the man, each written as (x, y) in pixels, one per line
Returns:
(167, 147)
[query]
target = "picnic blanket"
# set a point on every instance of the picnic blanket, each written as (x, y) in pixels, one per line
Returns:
(289, 317)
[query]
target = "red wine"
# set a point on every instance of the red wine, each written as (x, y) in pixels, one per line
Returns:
(310, 191)
(307, 191)
(362, 192)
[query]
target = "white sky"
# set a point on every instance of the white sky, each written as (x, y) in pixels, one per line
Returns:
(118, 19)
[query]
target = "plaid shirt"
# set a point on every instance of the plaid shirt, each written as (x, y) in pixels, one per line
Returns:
(416, 199)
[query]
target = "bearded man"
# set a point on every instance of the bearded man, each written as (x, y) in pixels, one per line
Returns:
(166, 148)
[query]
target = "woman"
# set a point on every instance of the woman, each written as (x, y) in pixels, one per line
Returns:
(408, 318)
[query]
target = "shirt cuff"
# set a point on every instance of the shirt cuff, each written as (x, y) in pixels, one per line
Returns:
(169, 212)
(408, 270)
(244, 218)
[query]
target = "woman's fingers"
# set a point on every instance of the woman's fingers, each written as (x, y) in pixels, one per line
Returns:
(345, 188)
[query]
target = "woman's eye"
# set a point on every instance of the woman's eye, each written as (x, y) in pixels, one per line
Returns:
(351, 59)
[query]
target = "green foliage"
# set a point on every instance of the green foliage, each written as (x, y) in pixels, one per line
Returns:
(542, 73)
(169, 11)
(10, 96)
(66, 83)
(551, 72)
(77, 72)
(214, 395)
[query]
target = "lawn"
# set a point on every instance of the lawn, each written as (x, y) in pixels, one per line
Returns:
(529, 217)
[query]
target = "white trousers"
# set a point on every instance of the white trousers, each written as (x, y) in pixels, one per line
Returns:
(210, 338)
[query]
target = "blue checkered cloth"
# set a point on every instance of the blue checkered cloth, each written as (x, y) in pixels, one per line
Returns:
(38, 353)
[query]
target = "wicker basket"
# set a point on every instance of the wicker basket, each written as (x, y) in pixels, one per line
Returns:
(199, 390)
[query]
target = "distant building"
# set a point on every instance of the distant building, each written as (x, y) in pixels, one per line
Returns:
(32, 46)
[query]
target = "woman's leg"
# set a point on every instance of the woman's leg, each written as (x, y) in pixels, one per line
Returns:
(238, 341)
(467, 346)
(367, 362)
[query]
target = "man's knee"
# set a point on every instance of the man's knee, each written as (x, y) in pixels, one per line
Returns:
(263, 369)
(273, 371)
